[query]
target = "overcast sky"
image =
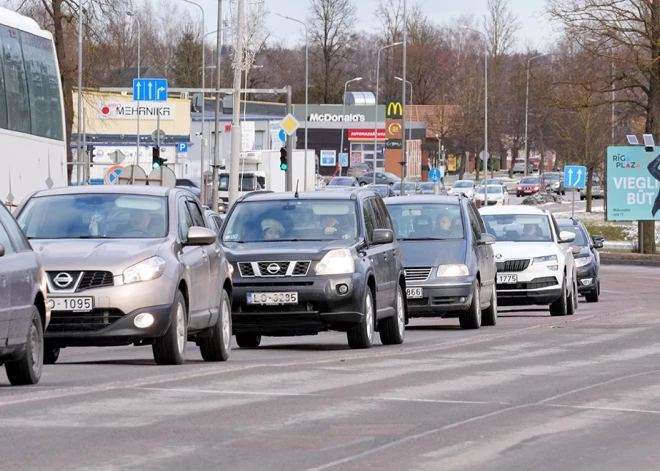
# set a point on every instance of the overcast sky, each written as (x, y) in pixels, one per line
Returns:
(535, 32)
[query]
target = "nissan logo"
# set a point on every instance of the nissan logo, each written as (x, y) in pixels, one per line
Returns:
(63, 280)
(273, 268)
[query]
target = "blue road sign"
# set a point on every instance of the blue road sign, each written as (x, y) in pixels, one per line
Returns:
(435, 175)
(182, 147)
(343, 159)
(282, 135)
(575, 176)
(149, 89)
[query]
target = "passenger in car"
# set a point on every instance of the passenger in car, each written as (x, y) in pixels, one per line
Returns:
(329, 224)
(272, 229)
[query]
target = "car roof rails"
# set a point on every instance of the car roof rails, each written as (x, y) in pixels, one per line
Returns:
(253, 193)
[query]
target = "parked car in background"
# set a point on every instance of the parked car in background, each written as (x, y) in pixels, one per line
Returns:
(411, 188)
(383, 178)
(528, 186)
(24, 309)
(534, 258)
(130, 265)
(497, 195)
(587, 258)
(448, 258)
(385, 191)
(312, 262)
(342, 182)
(553, 181)
(358, 170)
(428, 188)
(511, 184)
(519, 166)
(466, 187)
(597, 189)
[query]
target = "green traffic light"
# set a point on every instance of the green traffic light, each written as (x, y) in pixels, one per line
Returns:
(155, 165)
(283, 167)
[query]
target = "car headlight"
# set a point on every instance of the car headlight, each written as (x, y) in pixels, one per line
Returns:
(582, 261)
(453, 270)
(545, 259)
(336, 262)
(149, 269)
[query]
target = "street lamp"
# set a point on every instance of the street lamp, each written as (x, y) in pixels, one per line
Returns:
(306, 84)
(343, 115)
(137, 144)
(376, 114)
(529, 63)
(411, 102)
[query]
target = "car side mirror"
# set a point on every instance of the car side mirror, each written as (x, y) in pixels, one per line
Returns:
(2, 250)
(382, 236)
(201, 236)
(566, 237)
(486, 239)
(598, 241)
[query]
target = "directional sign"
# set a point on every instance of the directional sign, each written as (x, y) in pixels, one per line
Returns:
(575, 176)
(182, 147)
(149, 89)
(282, 135)
(117, 156)
(289, 124)
(112, 175)
(435, 175)
(158, 135)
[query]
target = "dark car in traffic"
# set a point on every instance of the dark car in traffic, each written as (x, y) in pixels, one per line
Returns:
(428, 188)
(553, 182)
(385, 191)
(358, 170)
(311, 262)
(586, 256)
(24, 310)
(528, 186)
(448, 258)
(342, 182)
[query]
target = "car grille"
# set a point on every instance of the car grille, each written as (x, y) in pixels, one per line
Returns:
(271, 269)
(512, 265)
(83, 321)
(536, 283)
(418, 274)
(85, 280)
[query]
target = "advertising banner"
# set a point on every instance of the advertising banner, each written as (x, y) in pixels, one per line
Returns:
(633, 183)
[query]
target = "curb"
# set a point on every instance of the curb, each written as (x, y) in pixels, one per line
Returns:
(624, 259)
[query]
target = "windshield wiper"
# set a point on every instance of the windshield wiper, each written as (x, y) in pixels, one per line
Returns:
(95, 237)
(296, 240)
(423, 238)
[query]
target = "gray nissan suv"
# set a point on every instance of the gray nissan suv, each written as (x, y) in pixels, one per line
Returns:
(130, 265)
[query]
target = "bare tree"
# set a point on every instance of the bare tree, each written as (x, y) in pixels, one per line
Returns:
(332, 25)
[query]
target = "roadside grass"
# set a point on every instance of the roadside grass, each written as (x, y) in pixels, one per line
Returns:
(610, 232)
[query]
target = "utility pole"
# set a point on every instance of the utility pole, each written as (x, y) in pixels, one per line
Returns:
(404, 164)
(290, 144)
(216, 150)
(236, 121)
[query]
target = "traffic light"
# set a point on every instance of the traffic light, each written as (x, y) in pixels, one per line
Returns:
(283, 162)
(156, 161)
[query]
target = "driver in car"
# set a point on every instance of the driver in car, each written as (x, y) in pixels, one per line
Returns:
(530, 232)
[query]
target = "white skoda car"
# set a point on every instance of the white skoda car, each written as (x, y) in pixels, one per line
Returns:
(533, 257)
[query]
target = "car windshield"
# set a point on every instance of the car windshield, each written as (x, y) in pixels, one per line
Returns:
(90, 216)
(383, 190)
(341, 181)
(409, 186)
(427, 221)
(530, 181)
(496, 189)
(297, 220)
(518, 227)
(428, 186)
(460, 184)
(391, 176)
(580, 239)
(246, 182)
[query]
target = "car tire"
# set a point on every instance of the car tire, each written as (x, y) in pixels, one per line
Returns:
(582, 197)
(218, 346)
(489, 315)
(27, 369)
(248, 340)
(361, 335)
(560, 306)
(393, 329)
(592, 297)
(363, 184)
(170, 349)
(572, 301)
(471, 319)
(51, 354)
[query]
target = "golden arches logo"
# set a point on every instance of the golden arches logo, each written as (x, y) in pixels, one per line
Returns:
(394, 108)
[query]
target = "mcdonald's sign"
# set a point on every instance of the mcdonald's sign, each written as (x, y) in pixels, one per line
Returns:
(394, 110)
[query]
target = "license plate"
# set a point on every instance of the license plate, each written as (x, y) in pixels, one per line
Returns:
(73, 304)
(272, 298)
(528, 190)
(413, 293)
(507, 279)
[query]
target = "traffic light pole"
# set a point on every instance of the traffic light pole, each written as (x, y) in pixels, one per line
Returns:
(290, 143)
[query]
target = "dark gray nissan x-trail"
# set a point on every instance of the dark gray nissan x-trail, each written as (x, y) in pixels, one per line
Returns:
(311, 262)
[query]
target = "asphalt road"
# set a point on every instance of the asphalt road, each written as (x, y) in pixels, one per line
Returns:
(534, 392)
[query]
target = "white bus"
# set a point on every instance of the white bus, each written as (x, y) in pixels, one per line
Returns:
(32, 132)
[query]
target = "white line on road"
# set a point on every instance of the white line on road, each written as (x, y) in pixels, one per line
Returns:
(612, 409)
(233, 393)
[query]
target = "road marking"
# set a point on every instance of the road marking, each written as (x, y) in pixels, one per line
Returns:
(232, 393)
(612, 409)
(437, 401)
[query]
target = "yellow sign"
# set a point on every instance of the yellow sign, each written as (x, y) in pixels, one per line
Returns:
(394, 110)
(451, 163)
(289, 124)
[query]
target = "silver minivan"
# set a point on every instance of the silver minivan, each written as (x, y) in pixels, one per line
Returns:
(24, 311)
(130, 265)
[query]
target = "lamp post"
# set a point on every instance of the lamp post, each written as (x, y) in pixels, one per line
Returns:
(216, 149)
(343, 115)
(376, 113)
(411, 102)
(137, 145)
(80, 63)
(529, 63)
(306, 84)
(404, 165)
